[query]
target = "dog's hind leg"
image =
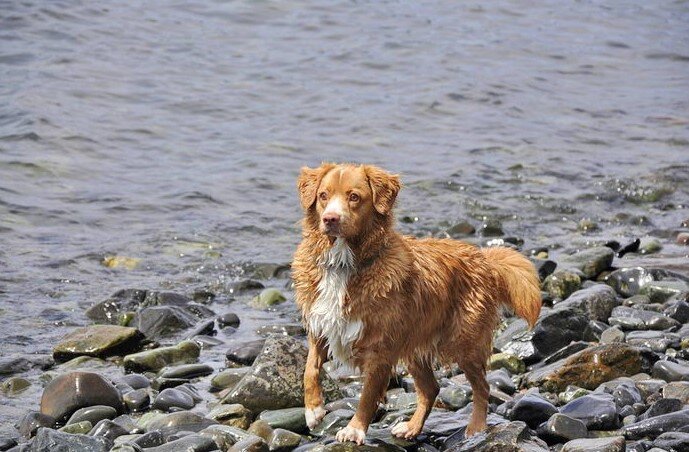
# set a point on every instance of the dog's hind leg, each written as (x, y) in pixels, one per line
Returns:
(476, 374)
(313, 396)
(426, 392)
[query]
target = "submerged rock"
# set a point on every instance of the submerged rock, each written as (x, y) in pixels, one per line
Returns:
(276, 378)
(67, 393)
(267, 298)
(98, 341)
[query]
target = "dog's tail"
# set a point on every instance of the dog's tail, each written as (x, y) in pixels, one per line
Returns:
(520, 280)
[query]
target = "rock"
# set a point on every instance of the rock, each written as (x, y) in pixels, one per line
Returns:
(660, 407)
(225, 436)
(533, 410)
(597, 411)
(54, 441)
(461, 229)
(674, 441)
(512, 363)
(228, 378)
(180, 421)
(110, 310)
(455, 397)
(661, 291)
(561, 428)
(682, 238)
(516, 340)
(157, 322)
(170, 399)
(677, 390)
(276, 378)
(7, 443)
(282, 439)
(136, 381)
(204, 328)
(596, 301)
(650, 246)
(544, 267)
(189, 443)
(291, 419)
(245, 353)
(638, 301)
(649, 387)
(32, 421)
(79, 428)
(154, 360)
(267, 298)
(186, 371)
(491, 227)
(332, 422)
(14, 385)
(566, 351)
(228, 319)
(629, 281)
(285, 329)
(106, 428)
(669, 371)
(591, 261)
(509, 437)
(570, 393)
(67, 393)
(612, 335)
(98, 341)
(557, 329)
(137, 400)
(639, 319)
(657, 425)
(610, 444)
(589, 368)
(234, 415)
(501, 379)
(93, 414)
(658, 341)
(678, 310)
(561, 284)
(586, 225)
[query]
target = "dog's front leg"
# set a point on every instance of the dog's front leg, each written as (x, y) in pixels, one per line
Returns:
(313, 396)
(376, 378)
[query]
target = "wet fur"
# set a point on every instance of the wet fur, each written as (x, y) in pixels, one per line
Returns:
(421, 301)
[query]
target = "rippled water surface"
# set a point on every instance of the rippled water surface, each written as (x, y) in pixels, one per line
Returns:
(172, 132)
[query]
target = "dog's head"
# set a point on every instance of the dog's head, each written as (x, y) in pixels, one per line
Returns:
(346, 200)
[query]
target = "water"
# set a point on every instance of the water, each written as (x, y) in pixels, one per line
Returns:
(174, 133)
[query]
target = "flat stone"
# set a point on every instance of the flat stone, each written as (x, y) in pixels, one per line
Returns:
(669, 371)
(596, 301)
(79, 428)
(234, 415)
(93, 414)
(181, 421)
(67, 393)
(245, 353)
(52, 440)
(661, 291)
(674, 441)
(533, 410)
(662, 406)
(596, 411)
(291, 419)
(186, 371)
(169, 399)
(153, 360)
(99, 341)
(332, 422)
(658, 341)
(228, 378)
(590, 262)
(561, 428)
(512, 436)
(610, 444)
(654, 426)
(639, 319)
(677, 390)
(189, 443)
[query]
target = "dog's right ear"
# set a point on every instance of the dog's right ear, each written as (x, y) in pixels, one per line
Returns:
(308, 182)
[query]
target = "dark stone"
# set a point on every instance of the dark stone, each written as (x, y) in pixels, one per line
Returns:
(654, 426)
(160, 321)
(14, 365)
(228, 319)
(658, 341)
(32, 421)
(181, 421)
(150, 439)
(245, 353)
(673, 441)
(187, 371)
(516, 340)
(99, 341)
(203, 328)
(639, 319)
(669, 371)
(594, 330)
(558, 328)
(136, 381)
(566, 351)
(533, 410)
(678, 310)
(48, 440)
(591, 261)
(190, 443)
(501, 380)
(596, 301)
(93, 414)
(110, 310)
(172, 398)
(629, 281)
(137, 400)
(67, 393)
(662, 406)
(461, 229)
(544, 267)
(508, 437)
(560, 428)
(108, 429)
(597, 411)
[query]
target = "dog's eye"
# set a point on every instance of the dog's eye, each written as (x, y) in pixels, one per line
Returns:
(353, 197)
(323, 196)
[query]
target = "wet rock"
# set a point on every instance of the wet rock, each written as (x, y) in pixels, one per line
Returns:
(491, 227)
(276, 379)
(660, 407)
(657, 425)
(67, 393)
(533, 410)
(179, 421)
(612, 335)
(332, 422)
(461, 229)
(291, 419)
(187, 371)
(669, 371)
(228, 378)
(544, 267)
(590, 262)
(661, 291)
(245, 353)
(629, 281)
(157, 322)
(658, 341)
(673, 441)
(650, 246)
(597, 411)
(501, 380)
(594, 330)
(79, 428)
(678, 310)
(639, 319)
(109, 310)
(7, 442)
(455, 397)
(638, 301)
(93, 414)
(137, 400)
(170, 399)
(589, 368)
(292, 329)
(561, 284)
(32, 421)
(205, 328)
(610, 444)
(596, 301)
(648, 387)
(570, 393)
(677, 390)
(283, 440)
(624, 392)
(267, 298)
(512, 436)
(54, 441)
(561, 428)
(228, 319)
(189, 443)
(557, 329)
(17, 364)
(136, 381)
(98, 341)
(516, 340)
(234, 415)
(511, 363)
(108, 429)
(156, 359)
(225, 436)
(14, 385)
(566, 351)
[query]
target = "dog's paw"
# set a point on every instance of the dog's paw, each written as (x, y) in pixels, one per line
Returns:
(474, 427)
(351, 434)
(314, 416)
(404, 430)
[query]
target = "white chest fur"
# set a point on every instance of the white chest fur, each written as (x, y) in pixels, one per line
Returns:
(326, 318)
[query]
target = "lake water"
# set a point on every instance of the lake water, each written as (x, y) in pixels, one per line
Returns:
(173, 132)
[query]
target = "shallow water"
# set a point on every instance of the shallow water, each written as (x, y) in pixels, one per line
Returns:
(174, 134)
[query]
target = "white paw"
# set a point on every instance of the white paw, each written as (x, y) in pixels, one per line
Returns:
(400, 430)
(351, 434)
(315, 416)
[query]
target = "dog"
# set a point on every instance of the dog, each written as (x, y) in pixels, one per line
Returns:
(371, 297)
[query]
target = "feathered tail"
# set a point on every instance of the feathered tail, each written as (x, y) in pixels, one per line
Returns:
(520, 281)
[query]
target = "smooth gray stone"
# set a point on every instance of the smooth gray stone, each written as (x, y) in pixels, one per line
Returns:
(657, 425)
(93, 414)
(48, 440)
(190, 443)
(291, 419)
(137, 400)
(610, 444)
(533, 410)
(669, 371)
(560, 428)
(597, 411)
(187, 371)
(108, 429)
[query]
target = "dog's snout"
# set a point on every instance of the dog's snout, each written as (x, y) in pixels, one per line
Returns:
(331, 219)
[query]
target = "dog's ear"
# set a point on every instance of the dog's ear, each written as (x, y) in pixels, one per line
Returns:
(384, 186)
(308, 182)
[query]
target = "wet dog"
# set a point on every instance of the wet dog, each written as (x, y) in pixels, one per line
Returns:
(371, 297)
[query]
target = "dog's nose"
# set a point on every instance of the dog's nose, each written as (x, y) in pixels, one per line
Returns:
(331, 219)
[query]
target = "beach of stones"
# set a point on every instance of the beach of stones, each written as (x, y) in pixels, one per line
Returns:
(606, 368)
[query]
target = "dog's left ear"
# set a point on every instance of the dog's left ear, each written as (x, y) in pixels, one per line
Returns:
(384, 186)
(308, 182)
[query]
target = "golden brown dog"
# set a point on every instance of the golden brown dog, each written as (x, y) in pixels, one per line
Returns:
(371, 297)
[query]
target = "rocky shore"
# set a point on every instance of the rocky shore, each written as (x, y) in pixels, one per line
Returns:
(606, 368)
